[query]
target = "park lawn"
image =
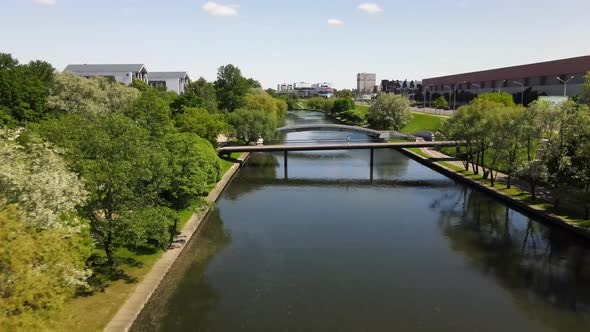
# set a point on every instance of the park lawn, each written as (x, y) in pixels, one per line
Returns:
(93, 313)
(423, 121)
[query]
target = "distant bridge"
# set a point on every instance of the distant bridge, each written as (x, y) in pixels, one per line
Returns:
(227, 150)
(331, 127)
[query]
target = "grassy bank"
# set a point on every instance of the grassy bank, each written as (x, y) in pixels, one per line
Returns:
(423, 121)
(515, 193)
(93, 312)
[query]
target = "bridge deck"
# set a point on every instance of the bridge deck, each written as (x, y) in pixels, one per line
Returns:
(332, 127)
(339, 146)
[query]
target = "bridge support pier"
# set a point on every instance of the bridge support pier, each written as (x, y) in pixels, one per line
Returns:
(371, 164)
(285, 165)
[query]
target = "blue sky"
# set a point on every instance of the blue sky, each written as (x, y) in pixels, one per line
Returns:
(288, 41)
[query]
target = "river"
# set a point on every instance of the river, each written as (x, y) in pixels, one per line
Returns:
(327, 249)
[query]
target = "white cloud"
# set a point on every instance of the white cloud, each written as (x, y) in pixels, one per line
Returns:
(217, 9)
(335, 22)
(45, 2)
(370, 8)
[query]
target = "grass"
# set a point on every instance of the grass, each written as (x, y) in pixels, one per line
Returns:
(93, 312)
(423, 121)
(513, 192)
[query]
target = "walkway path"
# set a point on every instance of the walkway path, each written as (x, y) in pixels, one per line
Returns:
(502, 178)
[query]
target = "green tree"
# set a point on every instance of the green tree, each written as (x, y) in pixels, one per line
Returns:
(151, 112)
(231, 88)
(23, 95)
(498, 97)
(342, 105)
(124, 171)
(441, 103)
(72, 94)
(194, 166)
(585, 94)
(263, 101)
(534, 172)
(43, 71)
(249, 125)
(39, 269)
(199, 121)
(254, 84)
(389, 111)
(345, 93)
(200, 93)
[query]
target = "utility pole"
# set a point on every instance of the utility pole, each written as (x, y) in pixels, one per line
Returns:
(565, 85)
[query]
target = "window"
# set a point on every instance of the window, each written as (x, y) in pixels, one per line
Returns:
(543, 80)
(527, 81)
(468, 86)
(505, 83)
(493, 84)
(482, 84)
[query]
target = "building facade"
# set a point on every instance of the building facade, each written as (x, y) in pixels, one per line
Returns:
(176, 81)
(537, 79)
(122, 73)
(307, 90)
(365, 83)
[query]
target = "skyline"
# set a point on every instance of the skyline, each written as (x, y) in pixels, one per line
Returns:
(290, 42)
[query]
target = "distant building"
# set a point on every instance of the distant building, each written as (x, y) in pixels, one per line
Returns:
(176, 81)
(122, 73)
(365, 83)
(307, 90)
(543, 78)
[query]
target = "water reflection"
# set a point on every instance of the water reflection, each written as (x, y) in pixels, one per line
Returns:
(327, 250)
(187, 275)
(541, 266)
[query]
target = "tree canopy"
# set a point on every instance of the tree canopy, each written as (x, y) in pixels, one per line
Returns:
(231, 88)
(389, 111)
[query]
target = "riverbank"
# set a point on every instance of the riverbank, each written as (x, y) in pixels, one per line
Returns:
(127, 314)
(515, 197)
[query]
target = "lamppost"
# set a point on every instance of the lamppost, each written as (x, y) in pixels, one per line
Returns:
(478, 86)
(455, 94)
(522, 93)
(430, 95)
(450, 92)
(500, 86)
(565, 85)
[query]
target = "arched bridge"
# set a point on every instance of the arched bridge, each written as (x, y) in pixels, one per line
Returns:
(330, 127)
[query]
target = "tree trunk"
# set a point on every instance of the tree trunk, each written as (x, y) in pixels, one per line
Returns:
(534, 190)
(509, 181)
(173, 229)
(108, 249)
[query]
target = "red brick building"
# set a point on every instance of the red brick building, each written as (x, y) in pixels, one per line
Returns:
(538, 78)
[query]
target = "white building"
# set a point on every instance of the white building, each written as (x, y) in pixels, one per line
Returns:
(176, 81)
(122, 73)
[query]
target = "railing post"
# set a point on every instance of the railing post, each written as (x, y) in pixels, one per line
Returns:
(371, 164)
(285, 165)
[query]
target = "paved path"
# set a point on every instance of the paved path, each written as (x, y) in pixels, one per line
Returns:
(127, 314)
(434, 111)
(502, 178)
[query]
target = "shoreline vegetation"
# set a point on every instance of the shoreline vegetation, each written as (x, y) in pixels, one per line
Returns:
(97, 179)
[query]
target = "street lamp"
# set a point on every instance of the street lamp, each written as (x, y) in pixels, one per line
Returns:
(565, 85)
(430, 95)
(478, 86)
(450, 92)
(522, 93)
(500, 86)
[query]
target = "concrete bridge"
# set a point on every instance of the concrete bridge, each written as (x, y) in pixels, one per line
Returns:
(227, 150)
(331, 127)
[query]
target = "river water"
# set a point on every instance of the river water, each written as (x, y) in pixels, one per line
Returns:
(327, 249)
